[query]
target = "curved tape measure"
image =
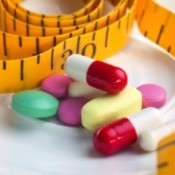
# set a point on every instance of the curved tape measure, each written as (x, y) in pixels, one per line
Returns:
(34, 46)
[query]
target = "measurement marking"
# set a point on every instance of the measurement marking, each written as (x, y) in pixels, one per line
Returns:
(118, 15)
(42, 22)
(160, 34)
(146, 33)
(16, 5)
(43, 31)
(96, 26)
(38, 59)
(27, 19)
(166, 145)
(20, 41)
(84, 30)
(4, 44)
(64, 45)
(14, 24)
(60, 31)
(93, 36)
(28, 12)
(119, 24)
(54, 41)
(52, 60)
(70, 35)
(22, 70)
(88, 18)
(169, 49)
(58, 23)
(5, 22)
(37, 46)
(106, 37)
(107, 21)
(74, 22)
(4, 65)
(162, 165)
(78, 44)
(27, 30)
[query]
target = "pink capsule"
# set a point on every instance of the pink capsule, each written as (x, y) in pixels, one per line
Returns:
(97, 74)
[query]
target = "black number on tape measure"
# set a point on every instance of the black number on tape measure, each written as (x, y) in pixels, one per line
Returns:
(90, 45)
(66, 54)
(88, 48)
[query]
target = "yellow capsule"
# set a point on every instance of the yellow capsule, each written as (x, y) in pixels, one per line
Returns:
(108, 108)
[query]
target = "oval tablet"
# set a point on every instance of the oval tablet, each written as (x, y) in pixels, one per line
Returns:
(69, 111)
(56, 84)
(34, 103)
(152, 95)
(107, 108)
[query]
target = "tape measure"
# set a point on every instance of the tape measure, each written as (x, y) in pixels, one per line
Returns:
(166, 156)
(34, 46)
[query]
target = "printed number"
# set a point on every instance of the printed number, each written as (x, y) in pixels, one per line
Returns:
(90, 47)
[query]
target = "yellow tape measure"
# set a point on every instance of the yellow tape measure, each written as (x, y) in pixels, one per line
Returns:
(166, 156)
(34, 46)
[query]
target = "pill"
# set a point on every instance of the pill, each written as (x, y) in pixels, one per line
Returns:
(149, 140)
(56, 84)
(78, 89)
(69, 110)
(152, 95)
(97, 74)
(107, 108)
(125, 132)
(34, 103)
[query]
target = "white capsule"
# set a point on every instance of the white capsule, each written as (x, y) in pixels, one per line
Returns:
(149, 140)
(77, 67)
(78, 89)
(97, 74)
(149, 118)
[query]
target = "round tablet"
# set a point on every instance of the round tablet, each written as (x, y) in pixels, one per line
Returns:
(34, 103)
(69, 111)
(152, 95)
(56, 84)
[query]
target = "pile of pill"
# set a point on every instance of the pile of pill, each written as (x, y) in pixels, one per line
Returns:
(95, 94)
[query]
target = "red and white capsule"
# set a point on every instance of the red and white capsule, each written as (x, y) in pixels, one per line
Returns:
(97, 74)
(125, 132)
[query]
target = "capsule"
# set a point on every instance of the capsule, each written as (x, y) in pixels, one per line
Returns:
(125, 132)
(97, 74)
(149, 140)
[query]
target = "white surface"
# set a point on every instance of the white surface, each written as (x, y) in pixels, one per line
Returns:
(146, 119)
(77, 66)
(35, 147)
(149, 140)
